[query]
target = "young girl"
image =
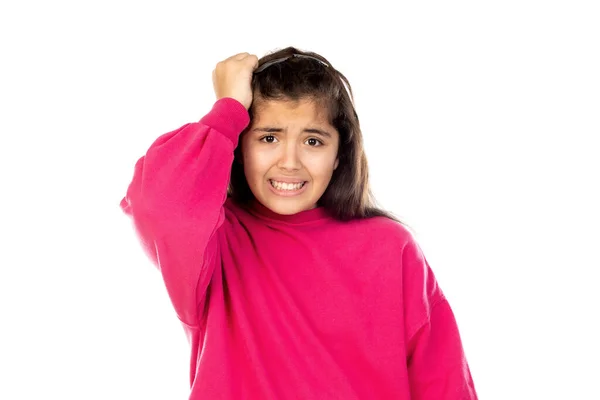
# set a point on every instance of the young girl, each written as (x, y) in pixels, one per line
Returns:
(289, 283)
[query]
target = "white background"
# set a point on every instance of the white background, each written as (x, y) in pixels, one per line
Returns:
(481, 122)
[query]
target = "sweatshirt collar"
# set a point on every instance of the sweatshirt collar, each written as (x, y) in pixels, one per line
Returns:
(315, 214)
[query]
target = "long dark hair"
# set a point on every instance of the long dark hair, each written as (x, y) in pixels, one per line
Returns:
(294, 74)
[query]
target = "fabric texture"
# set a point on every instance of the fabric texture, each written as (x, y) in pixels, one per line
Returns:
(288, 306)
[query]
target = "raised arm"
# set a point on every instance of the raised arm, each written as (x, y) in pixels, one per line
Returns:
(179, 187)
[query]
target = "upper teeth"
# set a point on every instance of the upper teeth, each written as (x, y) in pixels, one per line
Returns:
(286, 186)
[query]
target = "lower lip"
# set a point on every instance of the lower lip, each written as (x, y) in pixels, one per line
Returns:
(287, 193)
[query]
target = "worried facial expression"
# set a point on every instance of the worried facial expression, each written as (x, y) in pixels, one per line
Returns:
(289, 154)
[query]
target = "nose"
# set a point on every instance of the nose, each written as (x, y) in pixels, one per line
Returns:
(289, 159)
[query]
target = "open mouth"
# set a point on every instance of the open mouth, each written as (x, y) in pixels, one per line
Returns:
(287, 187)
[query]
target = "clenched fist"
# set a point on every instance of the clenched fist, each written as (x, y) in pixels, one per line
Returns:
(232, 77)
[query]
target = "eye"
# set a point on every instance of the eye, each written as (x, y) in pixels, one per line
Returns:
(313, 142)
(269, 139)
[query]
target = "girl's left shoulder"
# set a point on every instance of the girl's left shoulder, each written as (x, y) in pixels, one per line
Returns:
(384, 228)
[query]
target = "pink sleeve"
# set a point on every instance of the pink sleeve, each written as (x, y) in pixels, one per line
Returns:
(437, 366)
(176, 199)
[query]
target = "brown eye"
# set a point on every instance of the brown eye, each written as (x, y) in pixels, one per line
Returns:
(268, 139)
(314, 142)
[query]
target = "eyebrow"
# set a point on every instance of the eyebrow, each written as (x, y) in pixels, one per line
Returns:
(315, 131)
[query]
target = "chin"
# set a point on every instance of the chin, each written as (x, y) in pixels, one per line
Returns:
(288, 207)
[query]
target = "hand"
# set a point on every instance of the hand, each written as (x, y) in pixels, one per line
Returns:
(232, 77)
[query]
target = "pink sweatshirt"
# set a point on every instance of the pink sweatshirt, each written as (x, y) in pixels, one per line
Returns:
(288, 307)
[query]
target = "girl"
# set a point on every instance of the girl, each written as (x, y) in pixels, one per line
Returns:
(289, 283)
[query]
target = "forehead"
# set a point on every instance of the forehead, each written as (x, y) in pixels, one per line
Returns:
(285, 111)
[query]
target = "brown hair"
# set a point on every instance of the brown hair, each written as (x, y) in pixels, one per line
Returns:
(292, 74)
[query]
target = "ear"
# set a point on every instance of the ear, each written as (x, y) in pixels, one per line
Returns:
(337, 162)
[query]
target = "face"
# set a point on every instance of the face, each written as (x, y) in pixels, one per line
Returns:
(289, 154)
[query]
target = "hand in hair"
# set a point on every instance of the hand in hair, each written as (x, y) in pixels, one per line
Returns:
(232, 77)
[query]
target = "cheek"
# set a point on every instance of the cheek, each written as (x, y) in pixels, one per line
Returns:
(321, 168)
(255, 164)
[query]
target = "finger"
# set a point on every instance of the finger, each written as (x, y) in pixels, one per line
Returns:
(253, 60)
(240, 56)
